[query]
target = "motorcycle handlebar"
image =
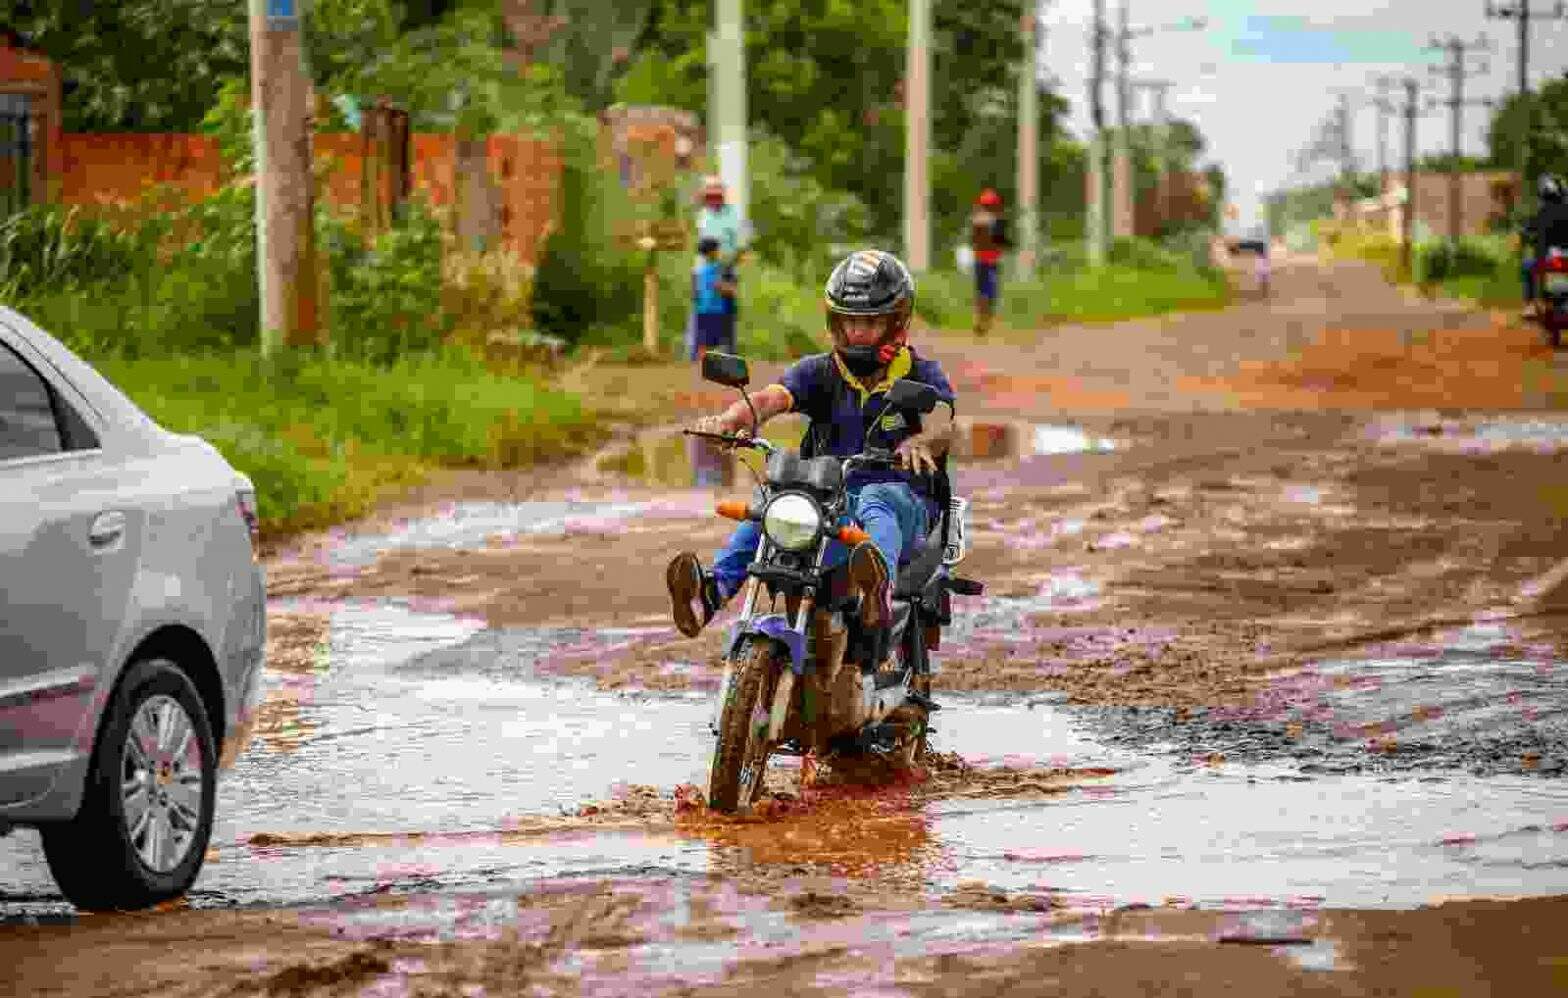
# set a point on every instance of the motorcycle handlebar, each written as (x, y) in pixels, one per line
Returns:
(734, 440)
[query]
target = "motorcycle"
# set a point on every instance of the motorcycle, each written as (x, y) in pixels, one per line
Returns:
(811, 681)
(1551, 295)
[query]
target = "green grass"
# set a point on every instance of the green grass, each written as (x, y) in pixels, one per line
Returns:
(323, 439)
(1103, 294)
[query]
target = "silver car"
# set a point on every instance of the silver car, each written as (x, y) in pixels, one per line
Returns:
(132, 627)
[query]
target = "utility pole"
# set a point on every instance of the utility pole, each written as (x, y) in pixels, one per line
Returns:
(1099, 215)
(1121, 168)
(727, 102)
(1124, 36)
(1158, 89)
(917, 136)
(1028, 148)
(1522, 13)
(285, 266)
(1407, 218)
(1456, 70)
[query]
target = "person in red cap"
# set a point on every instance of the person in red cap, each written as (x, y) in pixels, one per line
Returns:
(988, 238)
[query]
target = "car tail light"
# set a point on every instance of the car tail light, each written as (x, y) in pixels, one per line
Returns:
(246, 500)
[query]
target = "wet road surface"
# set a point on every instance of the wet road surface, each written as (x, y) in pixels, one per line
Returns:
(424, 747)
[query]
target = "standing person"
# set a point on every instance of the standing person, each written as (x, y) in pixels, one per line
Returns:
(720, 221)
(1262, 269)
(711, 292)
(988, 238)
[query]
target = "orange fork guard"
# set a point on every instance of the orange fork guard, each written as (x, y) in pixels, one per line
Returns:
(734, 509)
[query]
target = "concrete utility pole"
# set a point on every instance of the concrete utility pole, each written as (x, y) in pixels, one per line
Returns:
(285, 240)
(1028, 150)
(1124, 36)
(1407, 219)
(727, 102)
(1158, 89)
(1456, 71)
(1098, 215)
(1522, 13)
(917, 138)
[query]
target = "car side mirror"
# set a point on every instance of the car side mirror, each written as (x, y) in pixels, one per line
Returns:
(912, 395)
(725, 369)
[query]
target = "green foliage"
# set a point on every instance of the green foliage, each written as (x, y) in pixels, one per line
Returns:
(588, 43)
(229, 122)
(1541, 123)
(823, 76)
(47, 249)
(585, 278)
(321, 438)
(801, 226)
(139, 65)
(386, 297)
(1439, 260)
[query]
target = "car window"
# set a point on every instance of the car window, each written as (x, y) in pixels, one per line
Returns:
(27, 423)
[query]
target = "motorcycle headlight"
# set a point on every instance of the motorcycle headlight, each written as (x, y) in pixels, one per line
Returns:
(791, 521)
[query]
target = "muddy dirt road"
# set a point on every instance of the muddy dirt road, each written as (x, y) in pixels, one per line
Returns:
(1266, 696)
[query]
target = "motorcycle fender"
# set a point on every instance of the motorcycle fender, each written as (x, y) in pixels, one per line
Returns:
(776, 627)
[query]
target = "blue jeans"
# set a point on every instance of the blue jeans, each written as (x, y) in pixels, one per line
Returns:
(985, 281)
(889, 511)
(1527, 272)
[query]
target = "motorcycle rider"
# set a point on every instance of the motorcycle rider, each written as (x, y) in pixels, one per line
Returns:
(1548, 228)
(869, 301)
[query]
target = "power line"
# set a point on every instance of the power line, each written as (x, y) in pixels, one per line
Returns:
(1457, 71)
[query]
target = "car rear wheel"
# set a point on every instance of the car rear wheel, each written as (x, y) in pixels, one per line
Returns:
(141, 834)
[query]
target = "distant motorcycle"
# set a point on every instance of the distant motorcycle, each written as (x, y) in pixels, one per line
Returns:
(1551, 295)
(811, 680)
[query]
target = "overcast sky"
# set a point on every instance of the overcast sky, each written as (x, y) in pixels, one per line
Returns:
(1263, 73)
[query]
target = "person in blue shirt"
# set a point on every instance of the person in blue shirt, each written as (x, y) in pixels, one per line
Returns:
(870, 301)
(713, 294)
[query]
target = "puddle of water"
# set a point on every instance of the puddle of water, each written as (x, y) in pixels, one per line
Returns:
(423, 723)
(1221, 840)
(677, 461)
(473, 525)
(983, 441)
(1544, 436)
(1470, 702)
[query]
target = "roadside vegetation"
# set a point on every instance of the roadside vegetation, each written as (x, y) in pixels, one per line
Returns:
(437, 356)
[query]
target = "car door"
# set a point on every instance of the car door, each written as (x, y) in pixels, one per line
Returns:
(66, 563)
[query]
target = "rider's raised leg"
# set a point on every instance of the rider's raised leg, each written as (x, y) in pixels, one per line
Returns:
(696, 595)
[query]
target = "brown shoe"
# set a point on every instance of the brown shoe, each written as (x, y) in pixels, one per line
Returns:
(868, 574)
(694, 595)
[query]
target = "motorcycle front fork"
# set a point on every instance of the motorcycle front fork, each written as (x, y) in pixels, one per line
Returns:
(786, 683)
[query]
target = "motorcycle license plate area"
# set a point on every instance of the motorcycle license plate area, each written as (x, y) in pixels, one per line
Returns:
(1555, 283)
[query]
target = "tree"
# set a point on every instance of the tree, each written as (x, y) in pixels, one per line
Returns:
(823, 76)
(138, 65)
(1547, 143)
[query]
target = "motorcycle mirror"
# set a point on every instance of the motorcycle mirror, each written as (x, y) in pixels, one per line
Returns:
(915, 395)
(725, 369)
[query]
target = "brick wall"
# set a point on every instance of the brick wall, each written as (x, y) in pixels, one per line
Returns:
(116, 169)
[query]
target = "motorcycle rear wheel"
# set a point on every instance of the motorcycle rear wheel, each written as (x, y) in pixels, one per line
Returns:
(741, 754)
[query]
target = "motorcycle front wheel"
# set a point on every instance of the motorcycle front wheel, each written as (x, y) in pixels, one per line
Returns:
(741, 755)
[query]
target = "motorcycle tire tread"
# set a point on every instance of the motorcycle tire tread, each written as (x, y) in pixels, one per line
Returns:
(739, 742)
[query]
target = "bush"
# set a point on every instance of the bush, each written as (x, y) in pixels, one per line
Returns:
(47, 249)
(1469, 256)
(386, 299)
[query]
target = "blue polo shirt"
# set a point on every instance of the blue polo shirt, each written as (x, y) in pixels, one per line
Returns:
(840, 407)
